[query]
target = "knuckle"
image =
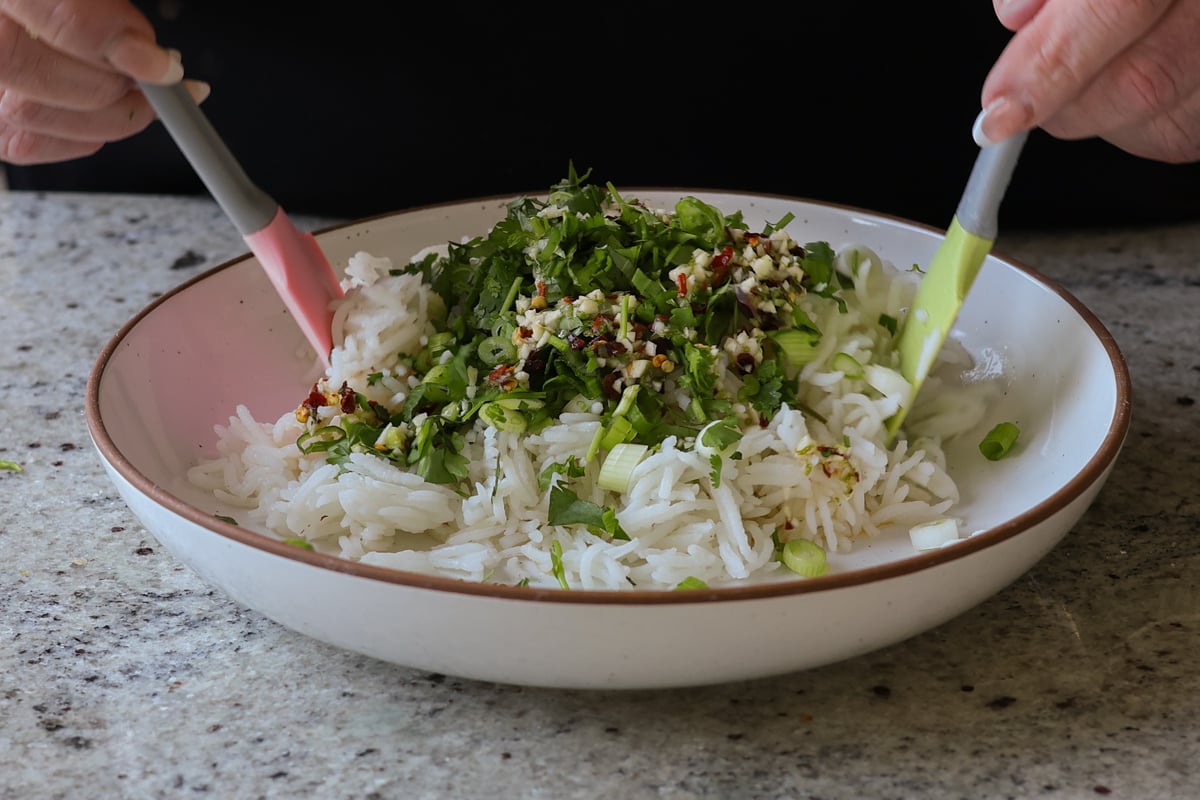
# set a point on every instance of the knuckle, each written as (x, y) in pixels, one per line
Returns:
(1055, 62)
(1148, 85)
(60, 18)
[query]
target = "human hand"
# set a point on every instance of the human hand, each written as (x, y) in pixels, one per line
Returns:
(68, 77)
(1127, 71)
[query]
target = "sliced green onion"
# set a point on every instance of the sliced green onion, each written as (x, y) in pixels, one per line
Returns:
(578, 405)
(999, 441)
(440, 341)
(848, 365)
(690, 582)
(617, 471)
(392, 438)
(594, 448)
(438, 374)
(10, 465)
(620, 430)
(437, 344)
(804, 558)
(501, 418)
(519, 403)
(496, 350)
(799, 347)
(627, 398)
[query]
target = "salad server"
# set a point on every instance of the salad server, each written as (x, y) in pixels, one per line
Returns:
(292, 259)
(954, 266)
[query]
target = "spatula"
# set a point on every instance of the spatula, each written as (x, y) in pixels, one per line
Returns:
(293, 260)
(957, 261)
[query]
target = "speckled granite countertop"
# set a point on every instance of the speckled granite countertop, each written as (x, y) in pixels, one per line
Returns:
(122, 675)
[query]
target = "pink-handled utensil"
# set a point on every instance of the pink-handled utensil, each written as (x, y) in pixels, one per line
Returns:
(292, 258)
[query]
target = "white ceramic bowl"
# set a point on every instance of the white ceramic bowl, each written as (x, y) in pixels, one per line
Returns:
(183, 364)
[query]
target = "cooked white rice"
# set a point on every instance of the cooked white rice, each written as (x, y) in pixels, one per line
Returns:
(797, 475)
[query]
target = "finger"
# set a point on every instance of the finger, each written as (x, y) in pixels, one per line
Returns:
(1154, 75)
(129, 115)
(1053, 58)
(1014, 14)
(36, 71)
(108, 32)
(23, 148)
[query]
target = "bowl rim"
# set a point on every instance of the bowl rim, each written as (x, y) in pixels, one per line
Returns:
(1104, 457)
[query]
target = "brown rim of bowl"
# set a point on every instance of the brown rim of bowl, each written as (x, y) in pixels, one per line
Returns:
(1104, 458)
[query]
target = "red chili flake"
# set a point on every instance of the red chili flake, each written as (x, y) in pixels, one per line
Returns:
(496, 375)
(681, 279)
(541, 287)
(348, 399)
(524, 332)
(720, 266)
(576, 342)
(314, 400)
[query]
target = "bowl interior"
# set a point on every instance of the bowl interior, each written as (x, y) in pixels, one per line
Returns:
(185, 362)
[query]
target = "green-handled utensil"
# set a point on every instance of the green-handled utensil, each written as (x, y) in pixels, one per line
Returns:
(954, 266)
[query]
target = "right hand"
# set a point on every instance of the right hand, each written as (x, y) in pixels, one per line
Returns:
(1126, 72)
(68, 77)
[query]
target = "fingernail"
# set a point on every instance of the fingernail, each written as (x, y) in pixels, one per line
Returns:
(1009, 9)
(999, 120)
(143, 60)
(977, 133)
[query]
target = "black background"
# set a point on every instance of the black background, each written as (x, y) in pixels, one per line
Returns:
(355, 109)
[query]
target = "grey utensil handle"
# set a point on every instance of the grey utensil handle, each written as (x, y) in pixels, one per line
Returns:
(249, 207)
(979, 208)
